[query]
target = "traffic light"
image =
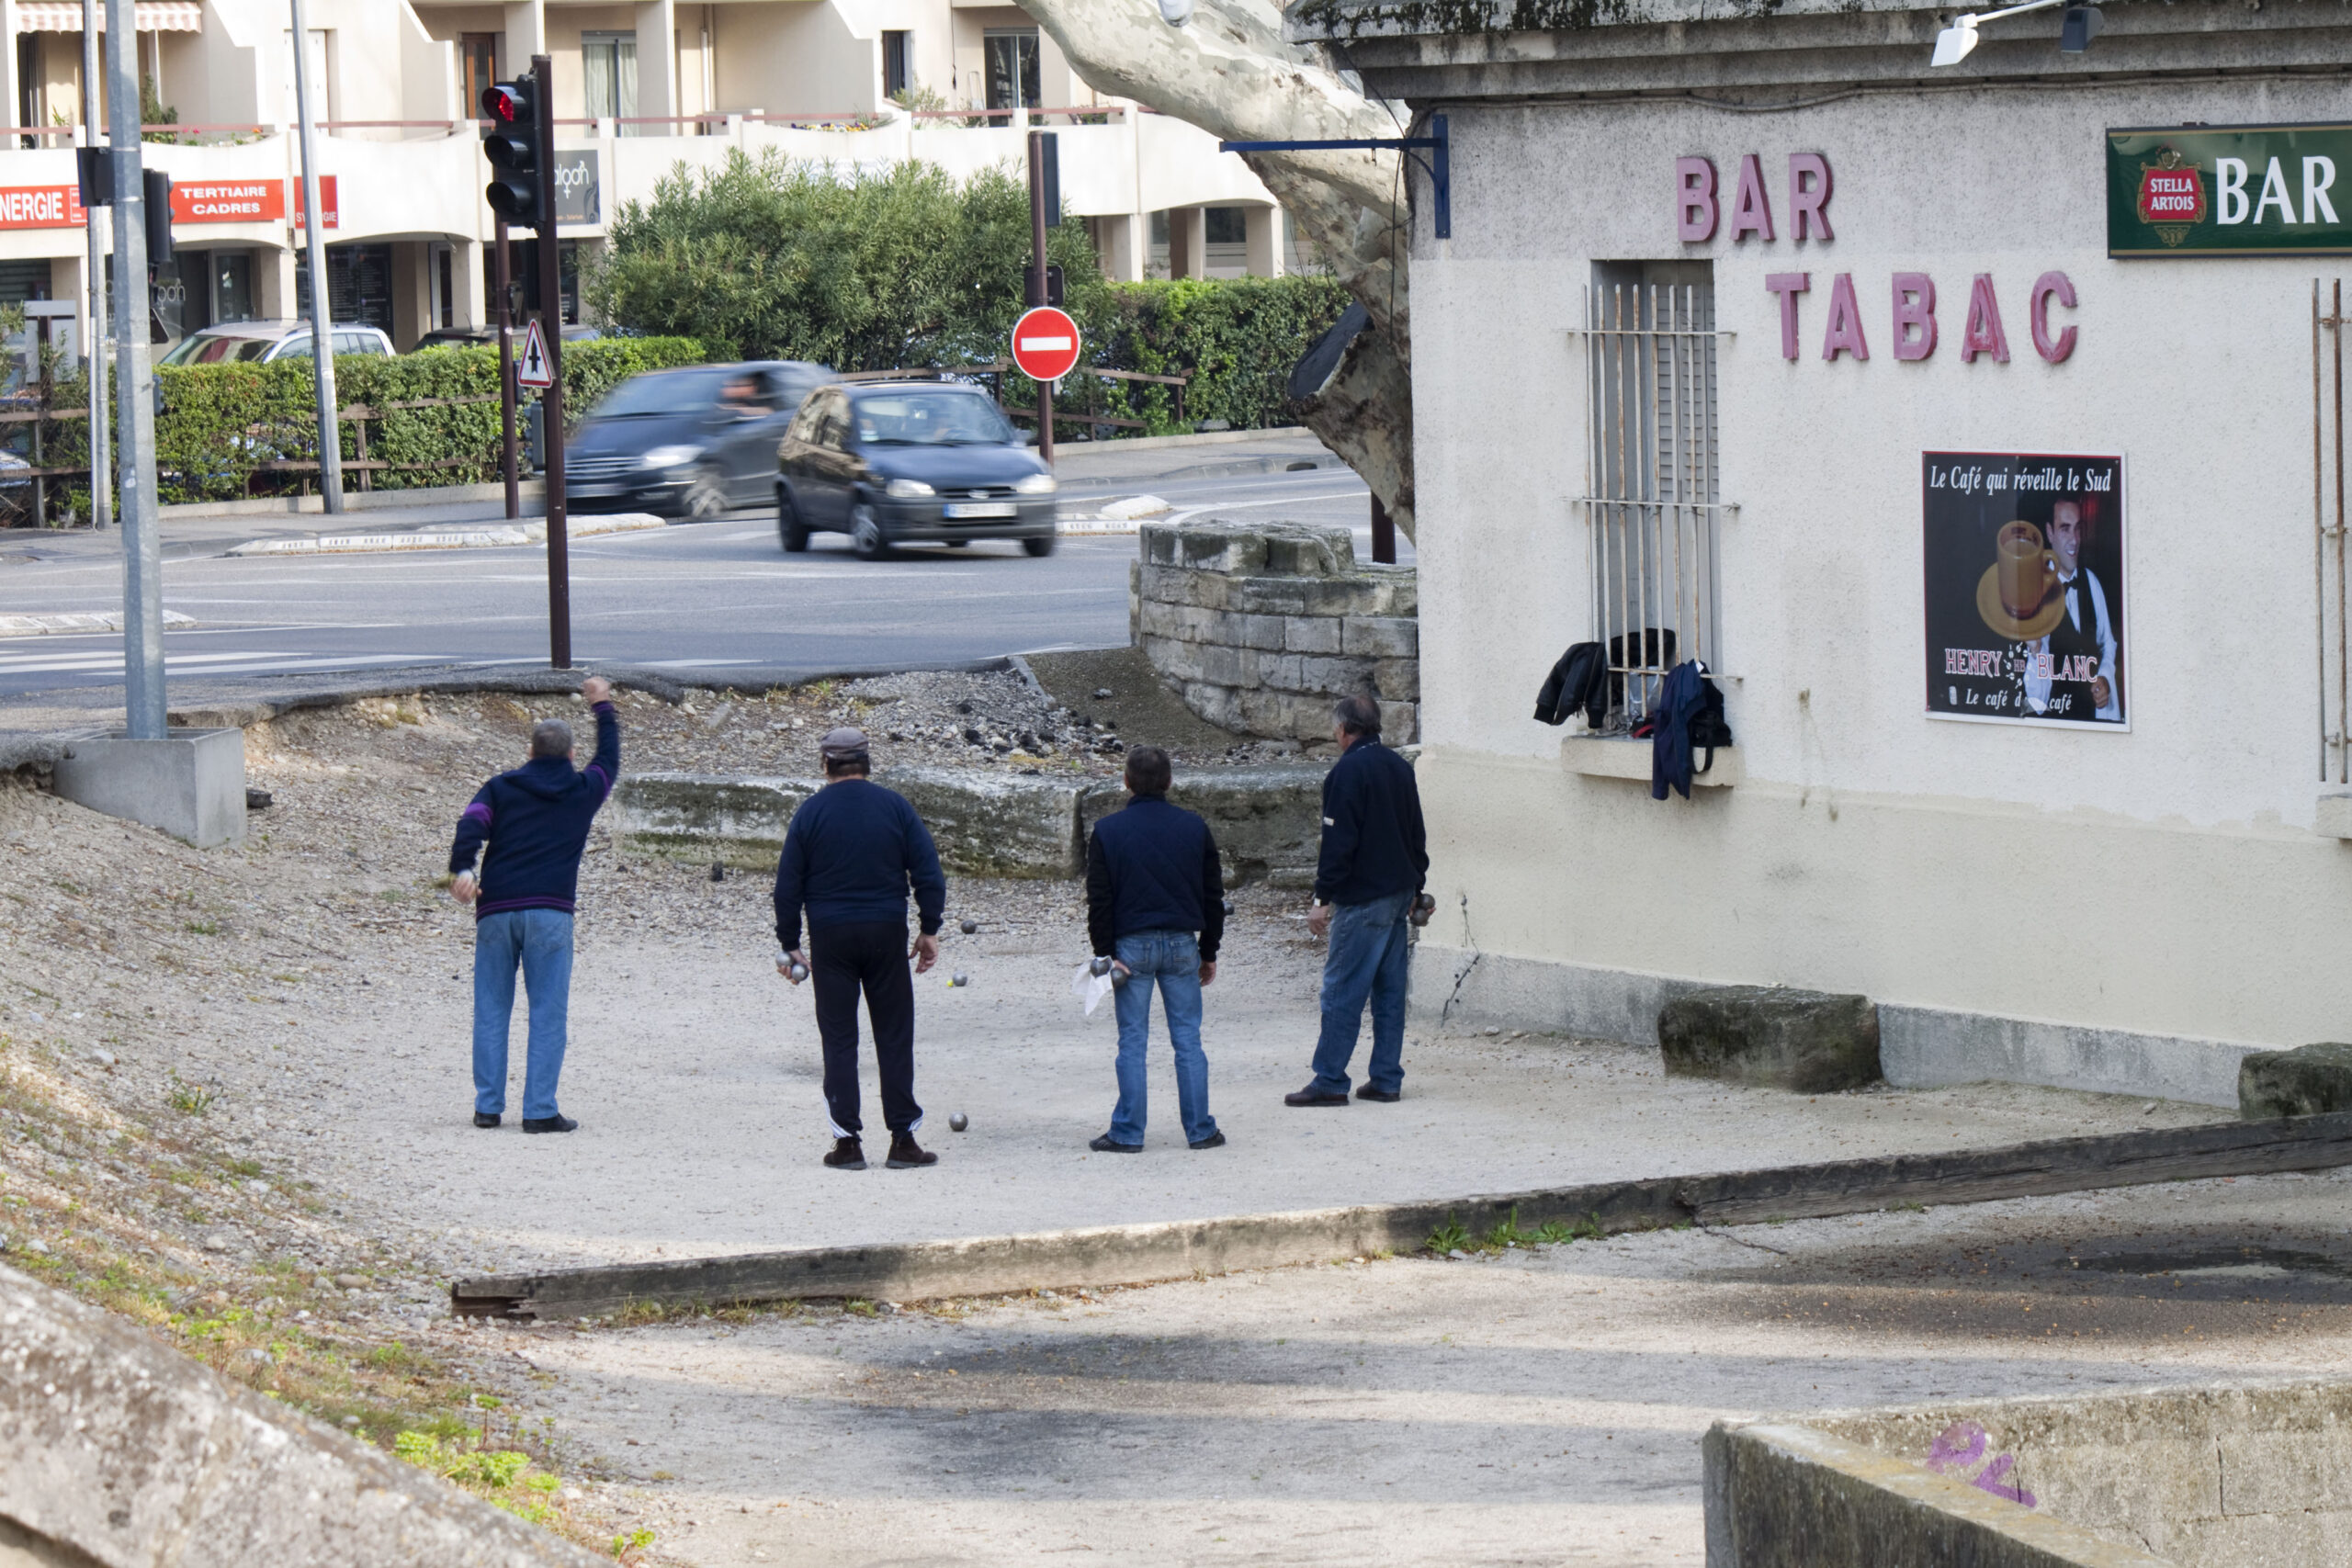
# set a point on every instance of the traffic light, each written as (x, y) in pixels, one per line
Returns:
(513, 146)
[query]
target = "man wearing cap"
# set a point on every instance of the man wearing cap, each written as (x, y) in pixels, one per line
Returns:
(854, 851)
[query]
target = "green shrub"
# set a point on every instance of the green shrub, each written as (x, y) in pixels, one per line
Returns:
(220, 422)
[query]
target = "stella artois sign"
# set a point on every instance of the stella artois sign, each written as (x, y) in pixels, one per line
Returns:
(2225, 190)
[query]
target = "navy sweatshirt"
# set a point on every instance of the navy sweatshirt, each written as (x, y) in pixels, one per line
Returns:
(1153, 867)
(1373, 845)
(852, 852)
(536, 819)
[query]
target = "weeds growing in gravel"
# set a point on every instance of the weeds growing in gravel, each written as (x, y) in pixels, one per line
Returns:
(191, 1100)
(1507, 1233)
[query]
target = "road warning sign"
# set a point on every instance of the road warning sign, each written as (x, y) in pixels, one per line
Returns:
(532, 366)
(1044, 343)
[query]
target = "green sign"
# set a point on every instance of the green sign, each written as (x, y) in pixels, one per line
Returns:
(2230, 190)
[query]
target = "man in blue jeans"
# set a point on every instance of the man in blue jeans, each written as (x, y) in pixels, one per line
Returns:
(1154, 907)
(535, 820)
(1375, 859)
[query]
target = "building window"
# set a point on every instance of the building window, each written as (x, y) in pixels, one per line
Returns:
(359, 285)
(1011, 67)
(477, 68)
(608, 66)
(232, 286)
(898, 64)
(1651, 501)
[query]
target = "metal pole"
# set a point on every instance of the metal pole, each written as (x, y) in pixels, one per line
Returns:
(1383, 534)
(95, 344)
(1038, 288)
(142, 554)
(314, 244)
(552, 401)
(506, 374)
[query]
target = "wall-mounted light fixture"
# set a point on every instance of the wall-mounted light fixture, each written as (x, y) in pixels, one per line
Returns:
(2081, 25)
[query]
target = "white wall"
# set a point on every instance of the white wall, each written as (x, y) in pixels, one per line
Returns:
(2162, 881)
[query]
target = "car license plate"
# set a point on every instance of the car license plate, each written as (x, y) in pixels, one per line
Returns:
(978, 509)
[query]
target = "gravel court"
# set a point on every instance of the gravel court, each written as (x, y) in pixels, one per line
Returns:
(1541, 1407)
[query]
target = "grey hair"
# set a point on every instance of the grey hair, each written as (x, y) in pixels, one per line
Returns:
(551, 738)
(1357, 715)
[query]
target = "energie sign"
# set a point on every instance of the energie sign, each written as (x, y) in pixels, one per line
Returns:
(2226, 190)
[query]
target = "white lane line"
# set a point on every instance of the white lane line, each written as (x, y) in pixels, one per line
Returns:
(227, 663)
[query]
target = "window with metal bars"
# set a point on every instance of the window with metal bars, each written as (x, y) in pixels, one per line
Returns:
(1651, 501)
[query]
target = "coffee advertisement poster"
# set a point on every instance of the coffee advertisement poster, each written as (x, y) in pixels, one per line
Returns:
(2025, 590)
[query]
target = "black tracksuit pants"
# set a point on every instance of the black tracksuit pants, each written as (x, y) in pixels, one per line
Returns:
(872, 956)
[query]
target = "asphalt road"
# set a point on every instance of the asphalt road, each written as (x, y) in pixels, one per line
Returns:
(707, 596)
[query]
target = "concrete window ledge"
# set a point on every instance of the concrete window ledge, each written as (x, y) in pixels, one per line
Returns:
(1616, 757)
(2334, 819)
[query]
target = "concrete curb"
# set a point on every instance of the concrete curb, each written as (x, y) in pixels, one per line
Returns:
(116, 1450)
(53, 626)
(445, 537)
(353, 500)
(1143, 1253)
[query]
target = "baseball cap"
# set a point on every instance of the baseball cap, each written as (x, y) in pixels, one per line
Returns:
(838, 744)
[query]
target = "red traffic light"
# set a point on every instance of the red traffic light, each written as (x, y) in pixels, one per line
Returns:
(506, 104)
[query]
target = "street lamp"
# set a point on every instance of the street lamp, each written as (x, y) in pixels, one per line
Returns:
(2081, 25)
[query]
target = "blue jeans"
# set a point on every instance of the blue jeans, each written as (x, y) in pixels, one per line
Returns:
(1172, 959)
(1367, 959)
(540, 939)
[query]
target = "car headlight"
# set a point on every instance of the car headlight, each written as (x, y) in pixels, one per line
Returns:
(669, 456)
(909, 489)
(1035, 484)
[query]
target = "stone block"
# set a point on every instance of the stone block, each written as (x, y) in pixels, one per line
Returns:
(2302, 1082)
(1382, 637)
(189, 784)
(1332, 677)
(1311, 634)
(1157, 617)
(1296, 551)
(1400, 723)
(1225, 666)
(1280, 671)
(1174, 659)
(706, 816)
(1287, 715)
(1400, 678)
(994, 824)
(1266, 632)
(1811, 1042)
(1220, 705)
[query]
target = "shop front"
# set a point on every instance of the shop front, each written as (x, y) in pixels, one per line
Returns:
(1978, 428)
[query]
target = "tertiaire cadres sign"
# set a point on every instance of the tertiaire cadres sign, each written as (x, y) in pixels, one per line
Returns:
(2230, 190)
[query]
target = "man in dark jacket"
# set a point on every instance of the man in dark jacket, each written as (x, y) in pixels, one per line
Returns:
(1154, 907)
(1375, 857)
(535, 822)
(852, 853)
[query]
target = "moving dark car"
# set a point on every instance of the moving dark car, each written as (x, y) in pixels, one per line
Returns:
(893, 462)
(686, 443)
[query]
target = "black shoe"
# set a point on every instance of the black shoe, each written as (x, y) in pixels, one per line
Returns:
(1310, 1095)
(848, 1155)
(908, 1154)
(1385, 1095)
(548, 1123)
(1214, 1141)
(484, 1118)
(1107, 1144)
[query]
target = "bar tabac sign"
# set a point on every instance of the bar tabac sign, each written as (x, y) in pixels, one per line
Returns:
(2230, 190)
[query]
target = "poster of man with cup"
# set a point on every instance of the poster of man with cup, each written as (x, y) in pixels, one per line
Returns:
(2024, 557)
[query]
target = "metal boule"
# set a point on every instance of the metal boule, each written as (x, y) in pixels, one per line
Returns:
(718, 871)
(971, 927)
(958, 1122)
(799, 972)
(1099, 966)
(960, 978)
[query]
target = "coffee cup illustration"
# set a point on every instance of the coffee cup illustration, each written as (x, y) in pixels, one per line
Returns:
(2025, 570)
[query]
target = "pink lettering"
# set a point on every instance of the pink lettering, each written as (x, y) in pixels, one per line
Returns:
(1694, 218)
(1984, 333)
(1788, 285)
(1809, 204)
(1914, 311)
(1845, 334)
(1751, 210)
(2050, 285)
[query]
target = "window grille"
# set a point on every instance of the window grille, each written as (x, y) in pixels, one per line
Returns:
(1651, 504)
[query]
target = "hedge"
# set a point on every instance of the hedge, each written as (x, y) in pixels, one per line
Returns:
(220, 422)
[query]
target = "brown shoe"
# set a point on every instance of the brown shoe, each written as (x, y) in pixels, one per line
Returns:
(907, 1154)
(848, 1155)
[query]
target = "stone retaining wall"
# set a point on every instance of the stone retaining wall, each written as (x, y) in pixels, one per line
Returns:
(1267, 821)
(1262, 627)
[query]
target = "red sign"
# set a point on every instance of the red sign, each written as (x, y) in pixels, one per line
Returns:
(41, 206)
(326, 199)
(229, 201)
(1044, 343)
(2172, 195)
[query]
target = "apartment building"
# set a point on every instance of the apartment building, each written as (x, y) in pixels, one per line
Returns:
(641, 89)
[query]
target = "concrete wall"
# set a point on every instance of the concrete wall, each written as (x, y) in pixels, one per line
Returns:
(2219, 1477)
(1262, 627)
(2160, 888)
(116, 1451)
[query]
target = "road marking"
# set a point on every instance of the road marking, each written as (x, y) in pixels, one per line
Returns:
(220, 663)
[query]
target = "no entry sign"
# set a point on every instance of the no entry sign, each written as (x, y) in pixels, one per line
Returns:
(1044, 343)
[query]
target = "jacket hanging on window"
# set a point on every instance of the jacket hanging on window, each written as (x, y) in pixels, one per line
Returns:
(1578, 682)
(1688, 713)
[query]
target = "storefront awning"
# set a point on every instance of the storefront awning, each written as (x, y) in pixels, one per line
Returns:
(65, 16)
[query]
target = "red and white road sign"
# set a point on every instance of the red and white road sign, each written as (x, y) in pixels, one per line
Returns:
(532, 368)
(1044, 343)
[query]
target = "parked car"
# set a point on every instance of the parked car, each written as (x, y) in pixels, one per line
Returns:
(686, 443)
(261, 341)
(481, 337)
(891, 462)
